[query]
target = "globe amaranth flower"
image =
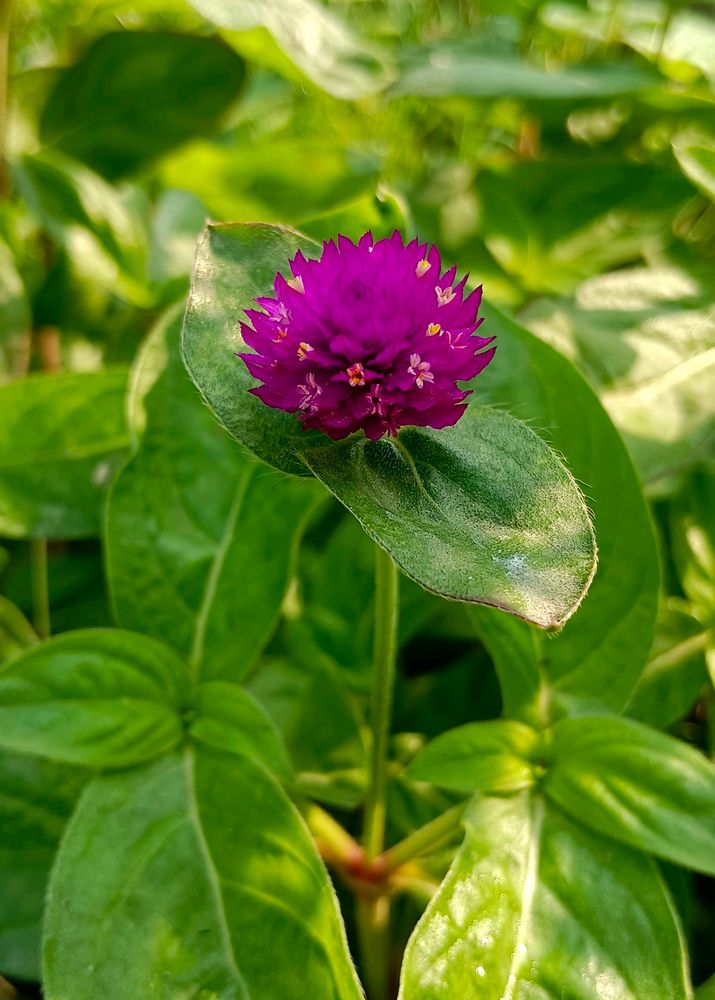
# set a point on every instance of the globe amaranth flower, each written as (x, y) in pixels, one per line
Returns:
(372, 336)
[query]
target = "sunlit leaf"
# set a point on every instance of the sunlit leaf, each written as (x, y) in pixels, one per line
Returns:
(495, 756)
(99, 697)
(227, 895)
(481, 512)
(645, 338)
(525, 882)
(627, 781)
(312, 35)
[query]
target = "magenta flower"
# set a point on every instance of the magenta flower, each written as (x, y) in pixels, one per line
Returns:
(369, 337)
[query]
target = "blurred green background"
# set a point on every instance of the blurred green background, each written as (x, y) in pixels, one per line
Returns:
(562, 152)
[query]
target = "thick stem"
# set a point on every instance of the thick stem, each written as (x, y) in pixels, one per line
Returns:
(373, 914)
(40, 587)
(424, 840)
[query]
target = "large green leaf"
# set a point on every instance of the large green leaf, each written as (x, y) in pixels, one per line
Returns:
(61, 438)
(36, 799)
(313, 36)
(645, 339)
(481, 512)
(102, 227)
(100, 697)
(601, 651)
(134, 95)
(200, 539)
(465, 68)
(496, 756)
(640, 786)
(534, 906)
(205, 881)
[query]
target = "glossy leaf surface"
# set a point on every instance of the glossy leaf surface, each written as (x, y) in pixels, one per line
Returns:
(61, 439)
(227, 896)
(481, 512)
(600, 653)
(493, 756)
(191, 559)
(629, 782)
(99, 697)
(513, 920)
(314, 38)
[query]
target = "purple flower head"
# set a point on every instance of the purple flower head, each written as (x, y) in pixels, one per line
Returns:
(370, 336)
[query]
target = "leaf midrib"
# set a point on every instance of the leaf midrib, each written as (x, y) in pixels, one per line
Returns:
(212, 876)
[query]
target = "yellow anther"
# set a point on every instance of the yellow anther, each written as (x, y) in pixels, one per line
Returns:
(434, 330)
(303, 349)
(422, 268)
(296, 284)
(356, 374)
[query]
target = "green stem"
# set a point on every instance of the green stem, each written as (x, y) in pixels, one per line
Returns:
(383, 682)
(373, 913)
(40, 587)
(424, 840)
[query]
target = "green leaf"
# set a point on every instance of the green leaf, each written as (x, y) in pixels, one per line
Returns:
(226, 896)
(199, 539)
(496, 756)
(177, 220)
(101, 227)
(61, 438)
(695, 152)
(599, 655)
(317, 41)
(234, 264)
(135, 95)
(481, 512)
(534, 906)
(599, 216)
(693, 536)
(639, 786)
(229, 718)
(16, 633)
(645, 339)
(100, 697)
(15, 320)
(464, 68)
(675, 674)
(311, 707)
(264, 179)
(36, 799)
